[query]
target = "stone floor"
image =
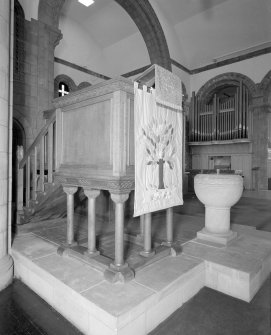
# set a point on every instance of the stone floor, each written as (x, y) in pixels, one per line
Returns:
(240, 264)
(22, 312)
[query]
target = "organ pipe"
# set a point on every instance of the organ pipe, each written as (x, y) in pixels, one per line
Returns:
(221, 119)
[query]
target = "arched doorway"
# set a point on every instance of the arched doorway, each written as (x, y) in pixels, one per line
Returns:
(18, 139)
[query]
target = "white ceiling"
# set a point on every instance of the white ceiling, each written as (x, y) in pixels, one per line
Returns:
(205, 29)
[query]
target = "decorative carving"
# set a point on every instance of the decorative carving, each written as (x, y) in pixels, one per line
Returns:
(55, 36)
(70, 190)
(119, 198)
(92, 193)
(117, 185)
(168, 87)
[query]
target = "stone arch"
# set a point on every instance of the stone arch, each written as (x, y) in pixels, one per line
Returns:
(18, 139)
(265, 87)
(65, 79)
(26, 126)
(230, 78)
(83, 84)
(141, 13)
(19, 48)
(18, 133)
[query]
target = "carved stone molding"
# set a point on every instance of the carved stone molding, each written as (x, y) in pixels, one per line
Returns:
(229, 78)
(70, 190)
(92, 193)
(112, 185)
(105, 87)
(55, 35)
(119, 198)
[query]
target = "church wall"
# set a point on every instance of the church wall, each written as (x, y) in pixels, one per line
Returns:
(252, 162)
(217, 30)
(30, 8)
(184, 76)
(78, 47)
(126, 55)
(77, 75)
(25, 104)
(255, 68)
(6, 263)
(177, 51)
(240, 157)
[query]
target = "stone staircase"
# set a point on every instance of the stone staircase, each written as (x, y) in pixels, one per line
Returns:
(37, 194)
(49, 204)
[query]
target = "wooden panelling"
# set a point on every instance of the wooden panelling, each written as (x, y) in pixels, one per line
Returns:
(87, 131)
(241, 158)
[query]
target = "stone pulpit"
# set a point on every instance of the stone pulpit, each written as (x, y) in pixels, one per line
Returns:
(95, 150)
(95, 146)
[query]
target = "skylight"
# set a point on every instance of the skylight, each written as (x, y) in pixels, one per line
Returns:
(86, 2)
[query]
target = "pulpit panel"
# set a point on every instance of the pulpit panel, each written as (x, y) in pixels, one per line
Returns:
(86, 135)
(95, 136)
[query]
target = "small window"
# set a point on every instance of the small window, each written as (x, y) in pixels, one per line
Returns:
(63, 89)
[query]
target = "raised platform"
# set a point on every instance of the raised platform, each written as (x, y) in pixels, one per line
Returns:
(80, 293)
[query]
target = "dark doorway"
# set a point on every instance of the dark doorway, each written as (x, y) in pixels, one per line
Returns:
(18, 139)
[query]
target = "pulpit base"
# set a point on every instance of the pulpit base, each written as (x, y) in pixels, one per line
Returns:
(120, 274)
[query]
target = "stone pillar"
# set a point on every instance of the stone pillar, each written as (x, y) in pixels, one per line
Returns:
(259, 143)
(70, 190)
(119, 270)
(48, 39)
(169, 222)
(147, 252)
(142, 219)
(92, 195)
(6, 263)
(20, 185)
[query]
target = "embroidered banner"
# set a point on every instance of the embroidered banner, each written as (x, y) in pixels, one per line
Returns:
(158, 153)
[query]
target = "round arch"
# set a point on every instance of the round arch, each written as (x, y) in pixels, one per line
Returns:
(65, 79)
(231, 78)
(83, 84)
(141, 13)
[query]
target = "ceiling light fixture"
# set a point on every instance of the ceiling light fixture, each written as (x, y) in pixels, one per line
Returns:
(86, 2)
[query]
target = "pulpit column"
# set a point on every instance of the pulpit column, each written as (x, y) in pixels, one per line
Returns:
(92, 194)
(147, 252)
(70, 190)
(175, 247)
(119, 270)
(169, 222)
(119, 200)
(142, 220)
